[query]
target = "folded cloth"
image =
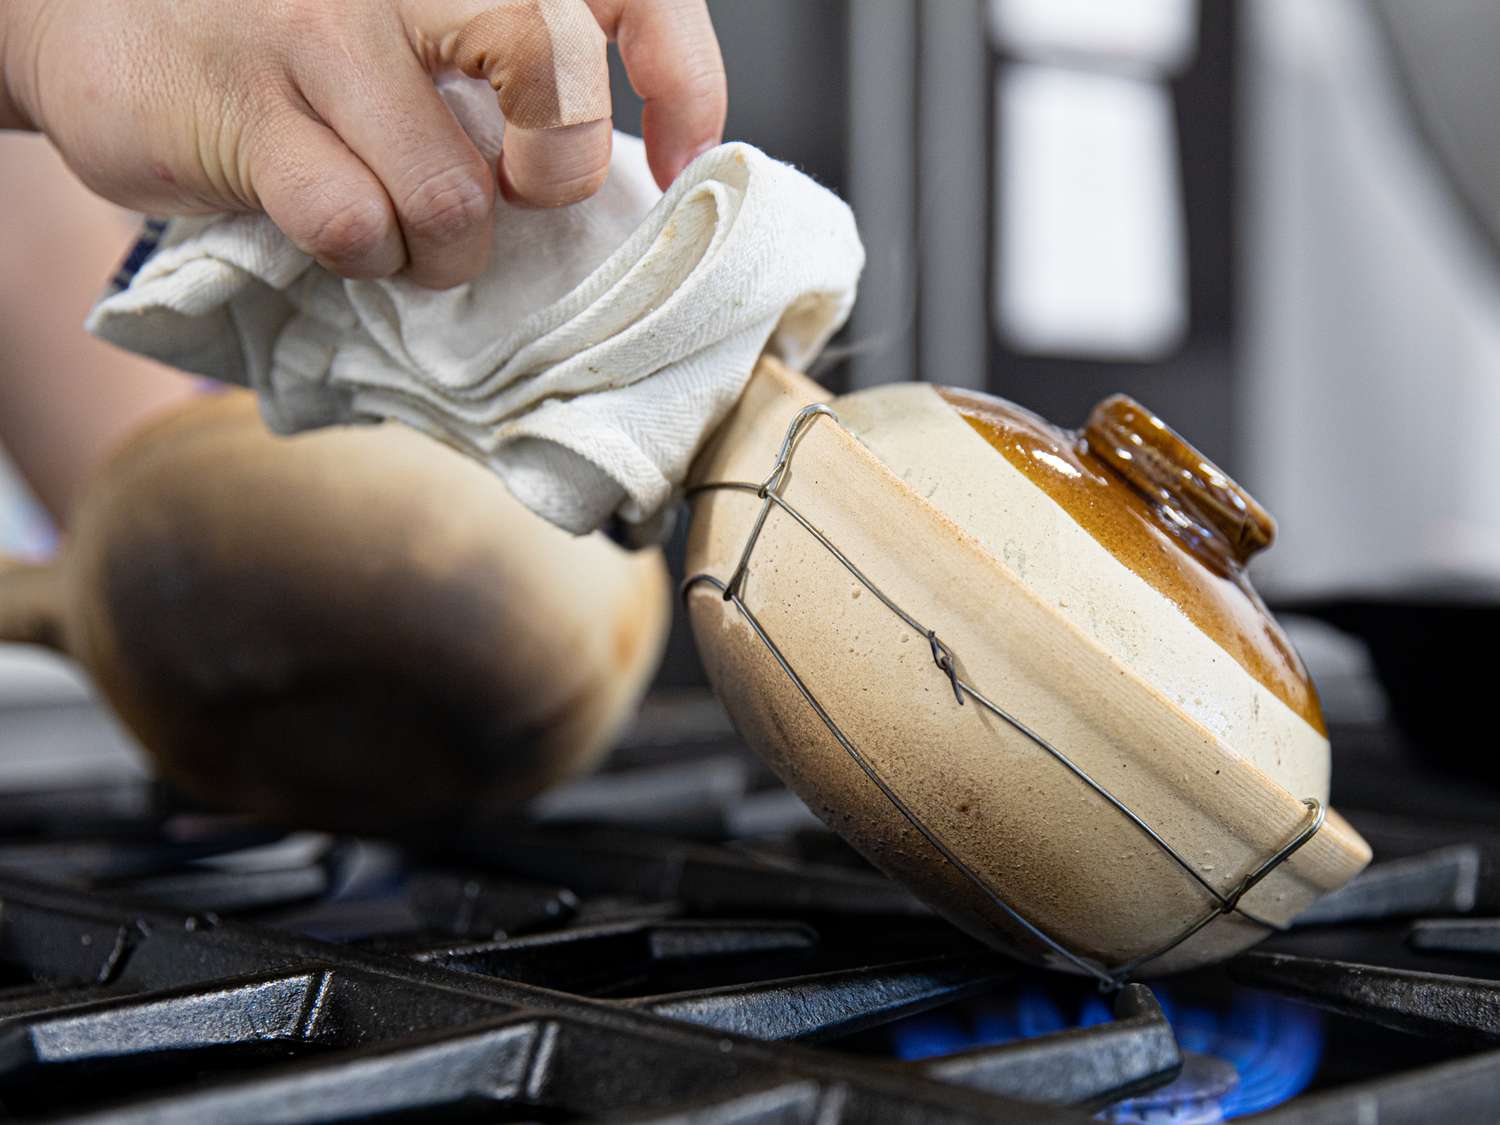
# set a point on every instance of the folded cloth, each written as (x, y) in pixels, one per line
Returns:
(585, 367)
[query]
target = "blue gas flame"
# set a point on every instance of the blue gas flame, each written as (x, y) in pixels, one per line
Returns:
(1274, 1045)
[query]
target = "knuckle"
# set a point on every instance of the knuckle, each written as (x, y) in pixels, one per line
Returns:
(350, 233)
(703, 81)
(303, 16)
(321, 35)
(447, 206)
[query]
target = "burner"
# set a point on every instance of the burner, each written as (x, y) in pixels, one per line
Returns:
(1197, 1096)
(715, 956)
(1241, 1054)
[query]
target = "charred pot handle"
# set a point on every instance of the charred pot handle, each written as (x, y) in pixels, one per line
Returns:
(1156, 461)
(31, 603)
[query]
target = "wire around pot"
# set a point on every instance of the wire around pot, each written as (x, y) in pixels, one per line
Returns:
(948, 664)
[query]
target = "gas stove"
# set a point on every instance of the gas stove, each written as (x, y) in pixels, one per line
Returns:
(677, 939)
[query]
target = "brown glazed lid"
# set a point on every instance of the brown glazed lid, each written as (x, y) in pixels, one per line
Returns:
(1163, 510)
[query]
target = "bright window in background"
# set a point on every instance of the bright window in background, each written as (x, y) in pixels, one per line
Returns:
(1153, 35)
(1091, 256)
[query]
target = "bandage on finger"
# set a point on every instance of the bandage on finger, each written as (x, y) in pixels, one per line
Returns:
(545, 58)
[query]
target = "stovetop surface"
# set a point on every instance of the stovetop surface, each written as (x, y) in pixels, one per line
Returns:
(677, 939)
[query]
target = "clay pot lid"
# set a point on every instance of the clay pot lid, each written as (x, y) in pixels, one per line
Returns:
(1164, 510)
(1208, 512)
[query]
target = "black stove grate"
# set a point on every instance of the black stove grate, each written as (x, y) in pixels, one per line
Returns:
(195, 1017)
(712, 955)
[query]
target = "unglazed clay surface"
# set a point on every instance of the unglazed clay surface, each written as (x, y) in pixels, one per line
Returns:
(355, 628)
(1183, 756)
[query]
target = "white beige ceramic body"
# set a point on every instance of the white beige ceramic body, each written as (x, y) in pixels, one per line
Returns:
(1043, 621)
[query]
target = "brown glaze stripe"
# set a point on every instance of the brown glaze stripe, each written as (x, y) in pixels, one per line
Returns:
(1165, 512)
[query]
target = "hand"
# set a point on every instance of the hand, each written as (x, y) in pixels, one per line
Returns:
(323, 113)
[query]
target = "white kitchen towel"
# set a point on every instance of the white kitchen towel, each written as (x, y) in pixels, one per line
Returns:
(585, 367)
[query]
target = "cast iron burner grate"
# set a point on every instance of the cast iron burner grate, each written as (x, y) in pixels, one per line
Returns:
(675, 940)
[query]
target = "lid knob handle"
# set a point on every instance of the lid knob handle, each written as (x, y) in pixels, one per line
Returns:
(1156, 461)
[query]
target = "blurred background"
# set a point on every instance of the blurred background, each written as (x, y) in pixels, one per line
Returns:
(1275, 222)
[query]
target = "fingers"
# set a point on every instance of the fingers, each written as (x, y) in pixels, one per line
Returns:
(546, 60)
(555, 167)
(672, 57)
(325, 199)
(410, 186)
(389, 113)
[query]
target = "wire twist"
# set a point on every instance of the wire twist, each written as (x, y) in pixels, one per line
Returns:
(1109, 977)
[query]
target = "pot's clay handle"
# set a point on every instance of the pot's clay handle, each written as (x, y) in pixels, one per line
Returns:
(31, 603)
(1158, 462)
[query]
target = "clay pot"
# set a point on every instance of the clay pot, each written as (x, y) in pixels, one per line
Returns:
(354, 629)
(1091, 587)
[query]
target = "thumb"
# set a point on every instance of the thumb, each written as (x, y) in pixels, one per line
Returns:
(546, 61)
